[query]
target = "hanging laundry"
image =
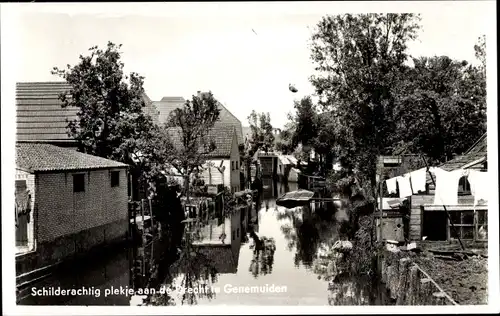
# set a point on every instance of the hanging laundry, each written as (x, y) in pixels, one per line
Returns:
(479, 185)
(404, 186)
(446, 192)
(418, 180)
(391, 185)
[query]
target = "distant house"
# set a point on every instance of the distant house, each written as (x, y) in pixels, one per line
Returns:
(67, 202)
(286, 170)
(268, 163)
(167, 104)
(223, 164)
(41, 118)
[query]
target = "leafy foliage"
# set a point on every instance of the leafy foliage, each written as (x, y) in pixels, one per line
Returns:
(439, 113)
(306, 130)
(189, 130)
(262, 137)
(110, 119)
(358, 59)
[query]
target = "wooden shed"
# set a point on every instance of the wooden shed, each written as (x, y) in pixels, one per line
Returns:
(471, 223)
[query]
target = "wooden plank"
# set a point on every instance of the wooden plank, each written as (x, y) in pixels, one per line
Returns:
(416, 220)
(417, 200)
(464, 207)
(416, 211)
(415, 232)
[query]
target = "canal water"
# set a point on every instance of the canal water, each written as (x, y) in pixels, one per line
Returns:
(283, 273)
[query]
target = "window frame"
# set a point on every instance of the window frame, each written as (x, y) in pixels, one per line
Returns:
(111, 175)
(79, 176)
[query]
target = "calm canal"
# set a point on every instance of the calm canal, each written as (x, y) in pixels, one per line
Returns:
(298, 239)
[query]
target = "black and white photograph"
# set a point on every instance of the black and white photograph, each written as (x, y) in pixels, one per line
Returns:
(249, 157)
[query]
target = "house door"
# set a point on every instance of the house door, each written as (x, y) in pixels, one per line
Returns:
(435, 225)
(22, 213)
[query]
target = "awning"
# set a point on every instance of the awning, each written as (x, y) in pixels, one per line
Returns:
(295, 198)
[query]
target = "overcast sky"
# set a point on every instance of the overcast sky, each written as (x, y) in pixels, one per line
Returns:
(180, 50)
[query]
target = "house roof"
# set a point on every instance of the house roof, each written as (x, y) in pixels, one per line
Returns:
(222, 135)
(168, 104)
(478, 151)
(287, 159)
(40, 116)
(41, 157)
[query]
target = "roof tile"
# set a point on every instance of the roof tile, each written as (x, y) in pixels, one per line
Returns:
(221, 134)
(168, 104)
(39, 108)
(38, 157)
(477, 151)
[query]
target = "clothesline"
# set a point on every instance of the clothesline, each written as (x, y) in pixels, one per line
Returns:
(446, 190)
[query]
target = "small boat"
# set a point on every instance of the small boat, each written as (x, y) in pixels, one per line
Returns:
(295, 198)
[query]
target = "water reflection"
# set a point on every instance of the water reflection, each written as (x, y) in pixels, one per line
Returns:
(263, 255)
(305, 231)
(268, 246)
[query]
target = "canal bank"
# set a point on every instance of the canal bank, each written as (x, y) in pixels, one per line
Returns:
(292, 241)
(425, 276)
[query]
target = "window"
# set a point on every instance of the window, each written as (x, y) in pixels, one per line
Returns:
(464, 186)
(234, 235)
(20, 185)
(238, 233)
(482, 225)
(115, 178)
(236, 164)
(464, 224)
(79, 182)
(232, 165)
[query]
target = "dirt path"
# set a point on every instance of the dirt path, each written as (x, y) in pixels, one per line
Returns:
(466, 281)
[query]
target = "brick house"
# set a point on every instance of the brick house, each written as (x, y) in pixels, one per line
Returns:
(77, 201)
(223, 164)
(226, 118)
(41, 118)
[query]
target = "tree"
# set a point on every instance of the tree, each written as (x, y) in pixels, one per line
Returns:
(480, 50)
(358, 59)
(110, 122)
(261, 138)
(189, 130)
(438, 115)
(285, 143)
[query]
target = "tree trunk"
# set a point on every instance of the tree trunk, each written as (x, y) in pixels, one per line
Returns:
(186, 187)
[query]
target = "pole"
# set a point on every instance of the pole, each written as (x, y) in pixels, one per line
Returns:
(151, 213)
(444, 206)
